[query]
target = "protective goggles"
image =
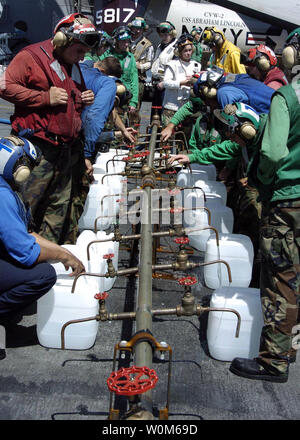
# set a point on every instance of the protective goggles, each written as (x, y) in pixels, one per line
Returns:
(89, 39)
(164, 29)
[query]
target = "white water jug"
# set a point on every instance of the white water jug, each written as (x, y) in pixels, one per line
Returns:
(237, 251)
(99, 202)
(210, 170)
(96, 263)
(59, 306)
(211, 187)
(218, 216)
(221, 328)
(186, 178)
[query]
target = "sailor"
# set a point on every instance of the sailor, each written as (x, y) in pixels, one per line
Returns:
(178, 79)
(121, 39)
(277, 169)
(198, 52)
(164, 53)
(44, 82)
(143, 52)
(261, 64)
(102, 78)
(242, 133)
(231, 88)
(25, 274)
(225, 54)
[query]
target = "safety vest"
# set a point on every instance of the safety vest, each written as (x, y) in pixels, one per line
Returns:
(60, 123)
(141, 48)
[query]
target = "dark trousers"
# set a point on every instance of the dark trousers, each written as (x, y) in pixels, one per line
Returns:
(21, 286)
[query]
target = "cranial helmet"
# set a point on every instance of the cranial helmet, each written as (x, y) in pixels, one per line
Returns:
(166, 27)
(75, 28)
(291, 53)
(139, 22)
(121, 33)
(18, 156)
(241, 118)
(208, 82)
(212, 36)
(196, 30)
(263, 57)
(183, 40)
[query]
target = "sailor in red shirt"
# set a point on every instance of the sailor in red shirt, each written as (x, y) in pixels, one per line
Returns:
(261, 63)
(45, 83)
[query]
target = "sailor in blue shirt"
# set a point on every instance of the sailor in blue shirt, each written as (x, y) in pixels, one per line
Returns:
(25, 274)
(229, 88)
(95, 116)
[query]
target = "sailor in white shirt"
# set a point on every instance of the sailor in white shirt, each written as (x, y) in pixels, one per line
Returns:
(178, 77)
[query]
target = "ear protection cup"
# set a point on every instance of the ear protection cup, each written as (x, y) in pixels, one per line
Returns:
(21, 174)
(120, 89)
(247, 130)
(212, 37)
(60, 39)
(217, 39)
(263, 64)
(289, 57)
(209, 92)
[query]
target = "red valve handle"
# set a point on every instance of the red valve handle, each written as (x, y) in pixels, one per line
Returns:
(171, 172)
(157, 107)
(101, 296)
(108, 256)
(131, 146)
(126, 158)
(187, 281)
(130, 381)
(176, 210)
(142, 154)
(174, 192)
(182, 240)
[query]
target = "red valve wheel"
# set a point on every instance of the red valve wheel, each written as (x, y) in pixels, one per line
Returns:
(108, 256)
(187, 281)
(171, 172)
(157, 107)
(176, 210)
(131, 381)
(101, 296)
(174, 192)
(182, 240)
(125, 159)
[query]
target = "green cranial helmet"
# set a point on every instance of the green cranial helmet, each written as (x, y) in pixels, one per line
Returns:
(138, 23)
(241, 118)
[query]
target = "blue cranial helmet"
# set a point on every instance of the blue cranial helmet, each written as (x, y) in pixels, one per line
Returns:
(18, 156)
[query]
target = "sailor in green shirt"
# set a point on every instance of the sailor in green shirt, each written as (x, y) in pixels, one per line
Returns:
(278, 168)
(197, 54)
(120, 49)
